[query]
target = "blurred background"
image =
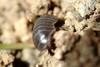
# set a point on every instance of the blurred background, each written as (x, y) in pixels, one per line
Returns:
(77, 42)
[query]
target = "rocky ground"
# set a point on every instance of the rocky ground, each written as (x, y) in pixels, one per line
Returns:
(77, 40)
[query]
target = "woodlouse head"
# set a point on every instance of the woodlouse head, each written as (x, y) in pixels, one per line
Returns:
(44, 41)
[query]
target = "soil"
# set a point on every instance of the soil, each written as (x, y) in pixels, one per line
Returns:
(77, 40)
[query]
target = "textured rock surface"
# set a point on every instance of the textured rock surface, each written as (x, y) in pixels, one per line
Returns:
(77, 40)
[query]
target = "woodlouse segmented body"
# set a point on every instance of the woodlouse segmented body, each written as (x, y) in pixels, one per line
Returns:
(43, 30)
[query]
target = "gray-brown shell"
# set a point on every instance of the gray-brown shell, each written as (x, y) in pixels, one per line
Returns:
(43, 30)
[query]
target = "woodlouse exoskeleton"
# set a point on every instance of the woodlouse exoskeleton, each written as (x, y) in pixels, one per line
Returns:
(43, 30)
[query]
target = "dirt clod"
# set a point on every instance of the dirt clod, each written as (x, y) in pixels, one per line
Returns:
(77, 41)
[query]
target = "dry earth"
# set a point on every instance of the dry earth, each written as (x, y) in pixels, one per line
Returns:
(77, 41)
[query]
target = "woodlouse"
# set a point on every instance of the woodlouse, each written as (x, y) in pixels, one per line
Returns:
(43, 30)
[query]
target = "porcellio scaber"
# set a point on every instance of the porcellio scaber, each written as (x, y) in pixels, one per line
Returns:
(43, 30)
